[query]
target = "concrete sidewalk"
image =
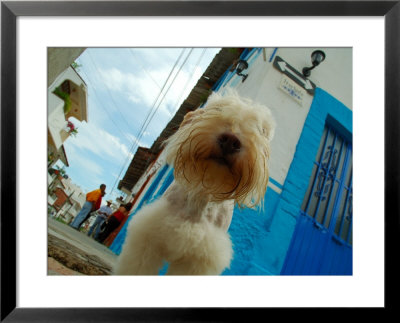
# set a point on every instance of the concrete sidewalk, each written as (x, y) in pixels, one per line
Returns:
(73, 253)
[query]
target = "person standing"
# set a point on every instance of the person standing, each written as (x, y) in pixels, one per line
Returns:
(113, 221)
(102, 214)
(92, 204)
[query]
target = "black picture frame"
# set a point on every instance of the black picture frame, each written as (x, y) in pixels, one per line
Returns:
(10, 10)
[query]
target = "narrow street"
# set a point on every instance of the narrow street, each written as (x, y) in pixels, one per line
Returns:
(73, 253)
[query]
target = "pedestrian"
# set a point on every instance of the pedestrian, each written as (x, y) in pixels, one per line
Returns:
(93, 202)
(113, 221)
(102, 214)
(97, 205)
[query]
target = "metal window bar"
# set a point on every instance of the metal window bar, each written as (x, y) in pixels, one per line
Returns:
(342, 196)
(350, 211)
(350, 217)
(316, 174)
(348, 195)
(326, 169)
(332, 169)
(331, 172)
(340, 164)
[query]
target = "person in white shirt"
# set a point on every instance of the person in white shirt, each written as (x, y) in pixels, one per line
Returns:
(102, 214)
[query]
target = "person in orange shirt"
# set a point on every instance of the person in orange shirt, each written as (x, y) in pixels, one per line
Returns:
(93, 203)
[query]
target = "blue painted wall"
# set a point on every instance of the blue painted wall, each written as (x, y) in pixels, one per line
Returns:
(228, 75)
(247, 231)
(261, 240)
(324, 107)
(150, 194)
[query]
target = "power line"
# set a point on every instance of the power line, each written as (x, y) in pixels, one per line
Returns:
(142, 67)
(143, 127)
(154, 107)
(105, 109)
(192, 74)
(108, 91)
(162, 89)
(159, 104)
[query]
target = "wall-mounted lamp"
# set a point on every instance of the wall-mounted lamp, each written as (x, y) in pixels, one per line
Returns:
(317, 57)
(240, 67)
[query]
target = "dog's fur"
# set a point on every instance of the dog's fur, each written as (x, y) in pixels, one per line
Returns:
(220, 156)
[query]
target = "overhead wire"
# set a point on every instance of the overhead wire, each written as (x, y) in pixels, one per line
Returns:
(190, 79)
(109, 93)
(151, 114)
(165, 93)
(159, 94)
(142, 67)
(100, 103)
(153, 110)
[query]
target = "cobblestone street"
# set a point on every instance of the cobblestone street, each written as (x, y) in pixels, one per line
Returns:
(71, 252)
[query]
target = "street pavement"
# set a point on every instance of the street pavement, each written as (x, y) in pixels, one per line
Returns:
(71, 252)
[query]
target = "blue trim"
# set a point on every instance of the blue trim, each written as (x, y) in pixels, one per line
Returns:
(248, 232)
(253, 55)
(169, 178)
(228, 78)
(273, 54)
(228, 75)
(221, 80)
(279, 185)
(248, 56)
(119, 240)
(324, 108)
(147, 198)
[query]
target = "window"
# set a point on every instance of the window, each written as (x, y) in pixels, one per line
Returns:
(328, 200)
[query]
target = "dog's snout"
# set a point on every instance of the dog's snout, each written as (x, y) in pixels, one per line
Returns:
(229, 143)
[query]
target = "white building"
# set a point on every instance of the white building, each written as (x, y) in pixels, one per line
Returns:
(65, 197)
(58, 113)
(306, 225)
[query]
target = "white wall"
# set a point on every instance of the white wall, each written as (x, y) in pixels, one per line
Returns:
(56, 119)
(334, 75)
(68, 74)
(160, 161)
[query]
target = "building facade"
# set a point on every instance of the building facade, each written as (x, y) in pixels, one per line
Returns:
(305, 227)
(65, 198)
(73, 90)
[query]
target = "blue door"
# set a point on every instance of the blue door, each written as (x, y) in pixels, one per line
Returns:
(322, 240)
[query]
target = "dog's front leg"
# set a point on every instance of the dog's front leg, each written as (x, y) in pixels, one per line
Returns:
(141, 259)
(141, 253)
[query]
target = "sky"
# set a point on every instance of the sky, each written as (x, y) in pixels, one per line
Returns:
(132, 94)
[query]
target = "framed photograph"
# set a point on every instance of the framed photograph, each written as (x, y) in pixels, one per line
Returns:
(366, 32)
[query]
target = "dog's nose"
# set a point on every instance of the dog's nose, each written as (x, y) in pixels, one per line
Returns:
(229, 143)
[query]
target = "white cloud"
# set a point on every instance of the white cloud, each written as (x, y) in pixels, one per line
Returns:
(135, 87)
(93, 169)
(133, 98)
(92, 138)
(141, 88)
(138, 83)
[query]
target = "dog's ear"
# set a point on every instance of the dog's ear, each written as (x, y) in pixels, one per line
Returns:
(187, 119)
(269, 124)
(269, 129)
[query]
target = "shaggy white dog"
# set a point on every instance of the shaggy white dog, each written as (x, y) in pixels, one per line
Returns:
(220, 157)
